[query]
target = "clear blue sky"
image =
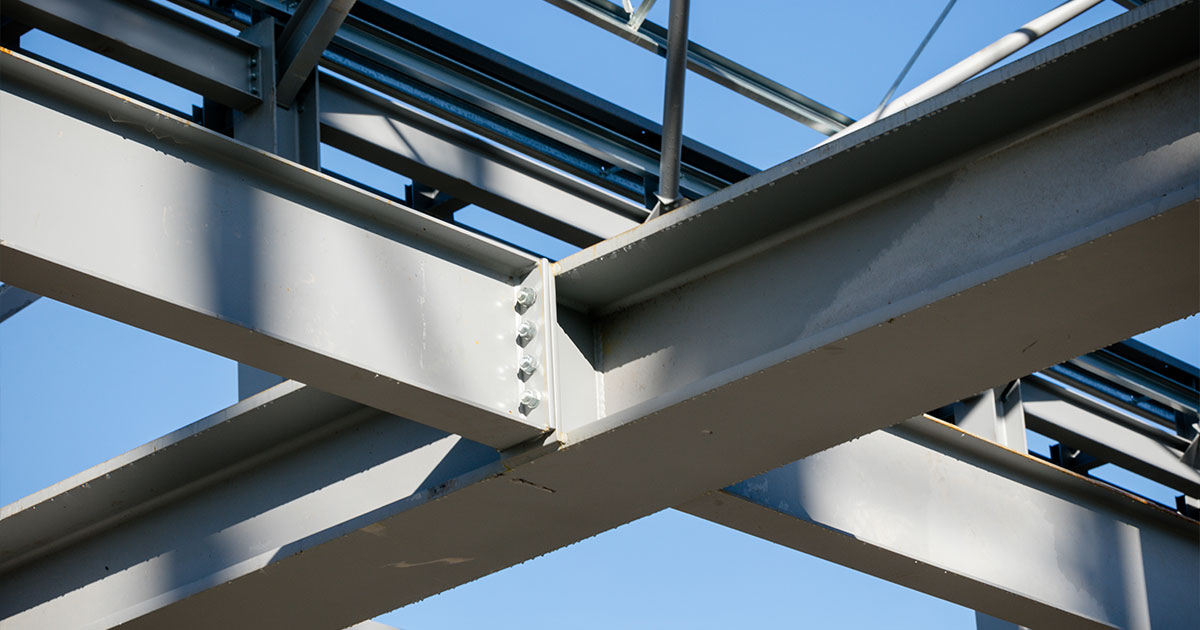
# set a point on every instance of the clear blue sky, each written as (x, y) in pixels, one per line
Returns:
(76, 389)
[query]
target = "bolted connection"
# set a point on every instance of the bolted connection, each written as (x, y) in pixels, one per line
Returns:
(528, 365)
(526, 330)
(530, 399)
(526, 297)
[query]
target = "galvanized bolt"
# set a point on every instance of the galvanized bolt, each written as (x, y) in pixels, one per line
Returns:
(528, 365)
(526, 297)
(530, 399)
(526, 330)
(253, 61)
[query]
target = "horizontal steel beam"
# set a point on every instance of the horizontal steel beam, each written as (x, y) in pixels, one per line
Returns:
(1053, 412)
(302, 42)
(246, 254)
(471, 169)
(154, 39)
(928, 506)
(504, 100)
(865, 313)
(712, 66)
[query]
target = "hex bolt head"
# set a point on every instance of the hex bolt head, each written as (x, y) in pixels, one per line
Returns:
(528, 365)
(530, 399)
(526, 297)
(526, 330)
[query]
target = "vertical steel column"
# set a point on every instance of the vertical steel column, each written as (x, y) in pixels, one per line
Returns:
(672, 134)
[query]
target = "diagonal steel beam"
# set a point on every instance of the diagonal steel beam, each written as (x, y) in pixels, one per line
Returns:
(255, 257)
(697, 382)
(931, 507)
(711, 65)
(302, 42)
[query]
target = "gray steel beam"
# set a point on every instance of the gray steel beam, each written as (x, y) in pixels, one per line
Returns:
(1091, 428)
(431, 152)
(13, 300)
(748, 363)
(154, 39)
(384, 45)
(255, 257)
(917, 267)
(302, 42)
(712, 66)
(229, 502)
(928, 506)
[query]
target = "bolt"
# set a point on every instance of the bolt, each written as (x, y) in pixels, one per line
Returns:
(526, 330)
(253, 61)
(526, 297)
(528, 365)
(253, 75)
(530, 399)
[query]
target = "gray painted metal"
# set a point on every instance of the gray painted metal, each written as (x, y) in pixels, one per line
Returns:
(996, 414)
(978, 62)
(1090, 428)
(911, 309)
(469, 168)
(236, 496)
(302, 42)
(712, 66)
(933, 508)
(249, 255)
(990, 112)
(154, 39)
(456, 79)
(13, 300)
(673, 98)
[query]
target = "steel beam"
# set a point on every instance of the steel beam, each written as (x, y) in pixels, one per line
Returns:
(249, 255)
(853, 315)
(302, 42)
(431, 152)
(928, 506)
(13, 300)
(712, 66)
(154, 39)
(163, 535)
(1090, 427)
(454, 78)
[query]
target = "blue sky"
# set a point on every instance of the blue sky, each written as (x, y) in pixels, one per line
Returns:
(77, 389)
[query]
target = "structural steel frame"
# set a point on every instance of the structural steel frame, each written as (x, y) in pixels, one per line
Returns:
(467, 406)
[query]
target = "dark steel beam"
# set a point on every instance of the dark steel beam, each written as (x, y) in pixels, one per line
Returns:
(712, 66)
(154, 39)
(432, 152)
(303, 41)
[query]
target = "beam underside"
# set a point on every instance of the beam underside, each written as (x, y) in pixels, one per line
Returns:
(951, 325)
(949, 514)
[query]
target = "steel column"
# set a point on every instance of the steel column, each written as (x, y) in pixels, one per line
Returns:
(153, 39)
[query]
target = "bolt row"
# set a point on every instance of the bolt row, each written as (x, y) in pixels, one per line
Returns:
(528, 364)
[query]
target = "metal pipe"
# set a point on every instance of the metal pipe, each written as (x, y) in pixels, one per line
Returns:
(976, 63)
(672, 134)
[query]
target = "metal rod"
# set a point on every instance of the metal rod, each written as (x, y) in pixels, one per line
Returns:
(672, 137)
(976, 63)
